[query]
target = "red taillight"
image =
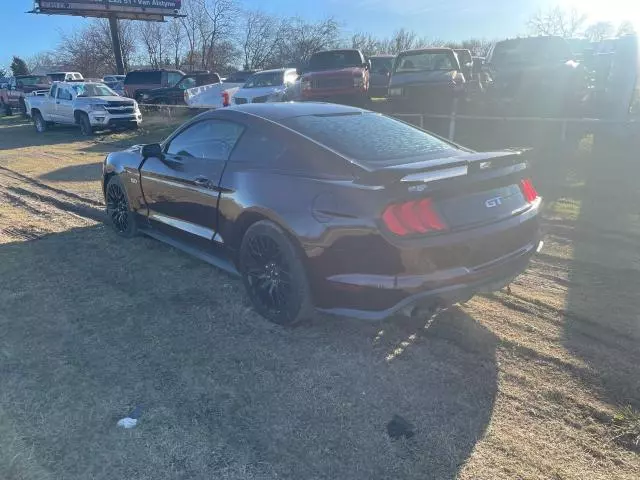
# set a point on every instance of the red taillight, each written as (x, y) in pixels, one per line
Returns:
(528, 190)
(413, 217)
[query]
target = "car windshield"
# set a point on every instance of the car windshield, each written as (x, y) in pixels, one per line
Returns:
(381, 63)
(34, 80)
(372, 138)
(532, 51)
(186, 83)
(269, 79)
(93, 90)
(335, 59)
(425, 61)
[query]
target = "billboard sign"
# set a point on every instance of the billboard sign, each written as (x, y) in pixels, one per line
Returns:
(132, 9)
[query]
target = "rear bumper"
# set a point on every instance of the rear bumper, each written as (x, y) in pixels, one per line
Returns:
(438, 289)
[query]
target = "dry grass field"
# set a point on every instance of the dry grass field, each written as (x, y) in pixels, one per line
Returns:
(540, 383)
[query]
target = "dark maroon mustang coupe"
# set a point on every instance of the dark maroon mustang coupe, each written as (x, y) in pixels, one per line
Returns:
(329, 207)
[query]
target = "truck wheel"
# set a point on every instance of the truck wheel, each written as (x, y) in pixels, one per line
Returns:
(85, 125)
(40, 124)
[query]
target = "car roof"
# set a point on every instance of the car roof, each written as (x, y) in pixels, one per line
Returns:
(280, 111)
(274, 70)
(427, 50)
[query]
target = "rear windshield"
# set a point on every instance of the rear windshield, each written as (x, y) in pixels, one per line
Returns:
(335, 59)
(381, 63)
(57, 77)
(531, 51)
(271, 79)
(142, 78)
(33, 80)
(371, 138)
(426, 61)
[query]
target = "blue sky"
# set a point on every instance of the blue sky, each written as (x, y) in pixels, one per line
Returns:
(25, 34)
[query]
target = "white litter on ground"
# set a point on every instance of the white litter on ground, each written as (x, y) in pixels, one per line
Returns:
(127, 422)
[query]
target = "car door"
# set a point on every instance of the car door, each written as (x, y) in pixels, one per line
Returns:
(182, 188)
(64, 106)
(48, 104)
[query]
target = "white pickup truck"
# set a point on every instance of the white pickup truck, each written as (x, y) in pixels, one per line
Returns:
(91, 106)
(211, 96)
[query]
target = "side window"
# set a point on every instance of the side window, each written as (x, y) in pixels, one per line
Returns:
(173, 78)
(64, 94)
(209, 139)
(264, 145)
(54, 89)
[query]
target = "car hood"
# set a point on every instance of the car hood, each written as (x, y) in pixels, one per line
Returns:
(110, 98)
(338, 72)
(438, 76)
(250, 93)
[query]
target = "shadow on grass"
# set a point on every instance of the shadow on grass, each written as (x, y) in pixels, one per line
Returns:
(603, 322)
(75, 173)
(93, 325)
(22, 134)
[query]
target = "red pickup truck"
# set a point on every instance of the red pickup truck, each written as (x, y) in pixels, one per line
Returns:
(340, 76)
(20, 86)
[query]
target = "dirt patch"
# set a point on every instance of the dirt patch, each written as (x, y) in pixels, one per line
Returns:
(523, 385)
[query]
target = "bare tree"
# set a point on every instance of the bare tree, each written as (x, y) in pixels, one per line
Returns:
(90, 51)
(366, 43)
(175, 36)
(300, 39)
(599, 31)
(218, 22)
(626, 28)
(193, 11)
(556, 21)
(153, 36)
(260, 34)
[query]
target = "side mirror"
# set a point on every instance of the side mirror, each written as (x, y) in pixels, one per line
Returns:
(152, 150)
(367, 65)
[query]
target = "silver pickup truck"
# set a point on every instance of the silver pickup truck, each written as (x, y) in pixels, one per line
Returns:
(91, 106)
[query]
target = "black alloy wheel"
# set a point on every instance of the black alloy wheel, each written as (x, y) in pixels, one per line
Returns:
(40, 124)
(118, 211)
(85, 125)
(274, 275)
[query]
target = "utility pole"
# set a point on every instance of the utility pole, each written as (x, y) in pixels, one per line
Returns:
(117, 47)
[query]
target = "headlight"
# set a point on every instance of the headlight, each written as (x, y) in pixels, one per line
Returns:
(395, 92)
(97, 107)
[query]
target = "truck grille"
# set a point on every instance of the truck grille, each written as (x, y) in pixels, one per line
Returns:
(119, 108)
(332, 82)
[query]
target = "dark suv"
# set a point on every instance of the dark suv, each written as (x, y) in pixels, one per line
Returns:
(174, 95)
(141, 81)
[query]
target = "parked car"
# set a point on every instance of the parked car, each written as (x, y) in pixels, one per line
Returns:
(340, 76)
(426, 80)
(381, 68)
(91, 106)
(277, 85)
(139, 82)
(174, 95)
(112, 80)
(331, 207)
(20, 86)
(535, 76)
(212, 96)
(65, 77)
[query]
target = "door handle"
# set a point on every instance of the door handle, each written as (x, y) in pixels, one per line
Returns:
(202, 182)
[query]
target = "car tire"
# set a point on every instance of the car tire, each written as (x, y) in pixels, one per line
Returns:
(39, 123)
(119, 213)
(85, 125)
(274, 275)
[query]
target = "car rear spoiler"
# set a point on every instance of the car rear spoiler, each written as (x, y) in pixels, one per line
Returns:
(442, 168)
